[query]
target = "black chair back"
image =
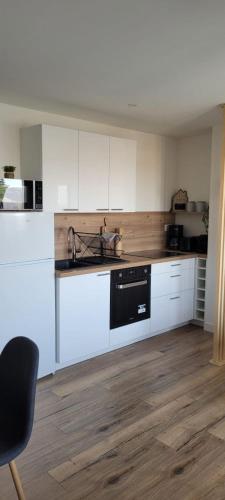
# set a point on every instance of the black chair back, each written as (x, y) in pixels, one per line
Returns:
(18, 376)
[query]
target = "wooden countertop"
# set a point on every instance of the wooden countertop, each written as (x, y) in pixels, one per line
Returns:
(132, 261)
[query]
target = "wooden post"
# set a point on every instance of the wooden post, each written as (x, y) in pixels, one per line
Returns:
(219, 335)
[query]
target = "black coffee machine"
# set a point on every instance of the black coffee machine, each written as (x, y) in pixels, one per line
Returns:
(174, 236)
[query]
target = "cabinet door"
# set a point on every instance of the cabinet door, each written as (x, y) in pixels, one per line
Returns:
(160, 284)
(175, 310)
(93, 172)
(181, 307)
(188, 305)
(160, 320)
(83, 315)
(122, 179)
(60, 168)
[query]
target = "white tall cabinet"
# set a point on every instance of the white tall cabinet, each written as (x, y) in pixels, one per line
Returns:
(50, 154)
(93, 172)
(122, 175)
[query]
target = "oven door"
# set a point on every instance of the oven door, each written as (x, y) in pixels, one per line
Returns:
(130, 302)
(16, 194)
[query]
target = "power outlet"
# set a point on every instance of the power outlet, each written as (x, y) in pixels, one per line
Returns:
(166, 227)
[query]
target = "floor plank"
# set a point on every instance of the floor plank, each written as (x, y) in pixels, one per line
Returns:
(143, 422)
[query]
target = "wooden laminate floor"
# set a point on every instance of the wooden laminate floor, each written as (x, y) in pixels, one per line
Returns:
(144, 422)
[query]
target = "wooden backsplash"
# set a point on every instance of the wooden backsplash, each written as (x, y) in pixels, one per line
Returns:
(141, 230)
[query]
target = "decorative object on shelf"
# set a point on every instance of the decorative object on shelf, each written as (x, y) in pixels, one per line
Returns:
(179, 201)
(201, 206)
(181, 204)
(9, 171)
(191, 206)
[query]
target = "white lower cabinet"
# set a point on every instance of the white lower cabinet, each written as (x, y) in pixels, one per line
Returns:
(181, 307)
(172, 295)
(83, 307)
(188, 305)
(175, 309)
(159, 314)
(83, 310)
(172, 310)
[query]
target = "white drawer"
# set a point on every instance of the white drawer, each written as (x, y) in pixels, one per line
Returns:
(188, 263)
(181, 307)
(171, 310)
(172, 265)
(176, 280)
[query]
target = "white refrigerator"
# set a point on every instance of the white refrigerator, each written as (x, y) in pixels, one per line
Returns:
(27, 282)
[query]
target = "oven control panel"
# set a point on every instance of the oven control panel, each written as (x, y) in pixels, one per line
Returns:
(130, 274)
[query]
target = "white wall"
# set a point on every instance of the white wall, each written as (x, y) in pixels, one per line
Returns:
(213, 227)
(156, 155)
(193, 175)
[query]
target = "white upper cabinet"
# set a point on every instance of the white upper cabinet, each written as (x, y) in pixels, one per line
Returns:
(60, 168)
(93, 172)
(122, 176)
(80, 170)
(51, 154)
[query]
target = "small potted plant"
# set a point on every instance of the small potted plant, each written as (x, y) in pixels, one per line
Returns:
(3, 188)
(9, 171)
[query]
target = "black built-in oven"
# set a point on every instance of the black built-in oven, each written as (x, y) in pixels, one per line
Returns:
(130, 295)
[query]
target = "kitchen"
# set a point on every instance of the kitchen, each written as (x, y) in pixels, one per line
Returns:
(120, 276)
(87, 307)
(109, 254)
(141, 238)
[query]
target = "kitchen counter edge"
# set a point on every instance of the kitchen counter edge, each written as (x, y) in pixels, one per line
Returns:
(131, 262)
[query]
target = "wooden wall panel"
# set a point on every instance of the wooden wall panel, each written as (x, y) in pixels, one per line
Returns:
(141, 230)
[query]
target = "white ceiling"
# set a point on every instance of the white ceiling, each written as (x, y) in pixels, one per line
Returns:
(90, 58)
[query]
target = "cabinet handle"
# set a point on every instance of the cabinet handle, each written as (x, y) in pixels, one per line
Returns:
(131, 285)
(102, 209)
(70, 209)
(175, 276)
(117, 209)
(175, 265)
(174, 298)
(103, 274)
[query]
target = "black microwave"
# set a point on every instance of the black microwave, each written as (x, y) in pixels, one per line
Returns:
(19, 194)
